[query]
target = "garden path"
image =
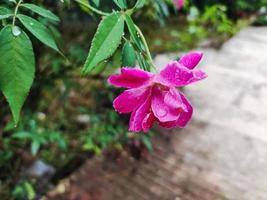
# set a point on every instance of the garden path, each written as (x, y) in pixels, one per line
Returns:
(221, 155)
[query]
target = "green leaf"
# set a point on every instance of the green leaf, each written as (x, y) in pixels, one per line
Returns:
(122, 4)
(5, 16)
(96, 2)
(22, 135)
(30, 191)
(139, 4)
(147, 143)
(13, 1)
(133, 32)
(162, 8)
(39, 31)
(35, 146)
(84, 6)
(5, 11)
(106, 40)
(41, 11)
(16, 68)
(142, 62)
(128, 55)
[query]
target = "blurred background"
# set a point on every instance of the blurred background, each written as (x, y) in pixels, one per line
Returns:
(71, 144)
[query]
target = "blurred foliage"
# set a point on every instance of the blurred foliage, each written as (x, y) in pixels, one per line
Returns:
(213, 21)
(237, 5)
(24, 190)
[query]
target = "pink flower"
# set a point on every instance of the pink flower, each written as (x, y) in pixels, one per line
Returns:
(154, 97)
(178, 3)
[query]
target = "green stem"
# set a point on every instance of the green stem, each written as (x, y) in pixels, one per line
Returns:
(92, 8)
(146, 47)
(16, 12)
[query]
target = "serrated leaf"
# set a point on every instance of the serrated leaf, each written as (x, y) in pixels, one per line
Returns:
(122, 4)
(16, 68)
(106, 40)
(128, 55)
(133, 32)
(139, 4)
(41, 11)
(40, 31)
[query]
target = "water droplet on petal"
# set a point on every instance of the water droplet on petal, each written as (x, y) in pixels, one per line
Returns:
(162, 112)
(16, 31)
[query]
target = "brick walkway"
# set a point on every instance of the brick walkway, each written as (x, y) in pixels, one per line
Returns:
(221, 155)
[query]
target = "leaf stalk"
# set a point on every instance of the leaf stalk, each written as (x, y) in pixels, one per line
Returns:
(16, 12)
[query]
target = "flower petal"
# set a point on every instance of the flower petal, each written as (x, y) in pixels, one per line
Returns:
(191, 59)
(177, 75)
(173, 99)
(148, 122)
(162, 111)
(184, 117)
(130, 78)
(139, 115)
(131, 99)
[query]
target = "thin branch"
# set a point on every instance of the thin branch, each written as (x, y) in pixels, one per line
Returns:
(16, 12)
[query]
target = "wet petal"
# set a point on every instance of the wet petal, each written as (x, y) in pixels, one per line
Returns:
(177, 75)
(131, 99)
(138, 116)
(174, 99)
(184, 117)
(130, 78)
(148, 121)
(162, 111)
(172, 124)
(191, 59)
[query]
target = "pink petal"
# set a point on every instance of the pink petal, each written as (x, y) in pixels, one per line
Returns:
(131, 99)
(139, 115)
(172, 124)
(173, 99)
(162, 111)
(177, 75)
(130, 78)
(148, 122)
(191, 59)
(184, 117)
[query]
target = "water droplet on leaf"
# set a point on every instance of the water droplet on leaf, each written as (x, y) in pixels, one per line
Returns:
(16, 31)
